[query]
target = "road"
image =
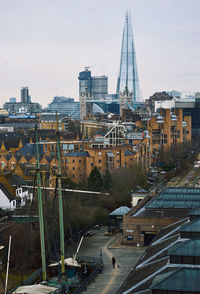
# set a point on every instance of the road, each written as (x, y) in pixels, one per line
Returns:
(188, 180)
(111, 279)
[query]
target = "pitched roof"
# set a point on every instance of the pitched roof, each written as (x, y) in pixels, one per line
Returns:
(175, 198)
(78, 154)
(194, 212)
(170, 230)
(192, 226)
(120, 211)
(179, 280)
(52, 117)
(28, 151)
(128, 153)
(15, 180)
(187, 248)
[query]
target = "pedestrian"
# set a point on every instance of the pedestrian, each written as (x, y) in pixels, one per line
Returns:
(113, 262)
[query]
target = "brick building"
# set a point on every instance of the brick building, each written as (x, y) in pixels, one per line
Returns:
(143, 222)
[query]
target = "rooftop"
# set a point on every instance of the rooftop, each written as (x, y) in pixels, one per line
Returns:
(120, 211)
(187, 248)
(178, 280)
(78, 154)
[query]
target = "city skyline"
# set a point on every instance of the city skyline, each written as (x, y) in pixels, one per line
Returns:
(45, 45)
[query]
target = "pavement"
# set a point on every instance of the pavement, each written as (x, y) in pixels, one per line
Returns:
(111, 279)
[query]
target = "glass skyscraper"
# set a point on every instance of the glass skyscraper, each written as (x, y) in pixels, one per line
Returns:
(128, 74)
(95, 86)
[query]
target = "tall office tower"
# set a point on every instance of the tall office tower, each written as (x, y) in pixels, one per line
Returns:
(85, 82)
(25, 97)
(128, 74)
(99, 87)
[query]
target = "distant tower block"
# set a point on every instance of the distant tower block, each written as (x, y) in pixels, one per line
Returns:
(25, 97)
(128, 74)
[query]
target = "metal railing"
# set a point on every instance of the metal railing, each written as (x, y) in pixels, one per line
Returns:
(90, 279)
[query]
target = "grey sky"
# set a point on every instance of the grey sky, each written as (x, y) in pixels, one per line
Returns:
(45, 43)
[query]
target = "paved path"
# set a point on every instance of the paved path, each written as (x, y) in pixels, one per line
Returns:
(111, 279)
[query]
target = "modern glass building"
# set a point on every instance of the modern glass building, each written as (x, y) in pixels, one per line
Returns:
(96, 86)
(128, 74)
(65, 105)
(99, 87)
(25, 97)
(85, 82)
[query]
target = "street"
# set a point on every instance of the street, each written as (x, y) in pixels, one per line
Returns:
(111, 279)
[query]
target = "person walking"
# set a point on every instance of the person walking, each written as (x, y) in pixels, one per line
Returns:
(113, 262)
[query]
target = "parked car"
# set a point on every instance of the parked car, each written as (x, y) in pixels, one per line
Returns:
(89, 234)
(97, 227)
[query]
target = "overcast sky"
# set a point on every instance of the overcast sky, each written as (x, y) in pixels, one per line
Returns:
(44, 44)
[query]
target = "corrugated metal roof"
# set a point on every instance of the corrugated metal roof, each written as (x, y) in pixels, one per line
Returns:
(173, 204)
(187, 248)
(181, 280)
(194, 211)
(181, 190)
(193, 226)
(176, 198)
(120, 211)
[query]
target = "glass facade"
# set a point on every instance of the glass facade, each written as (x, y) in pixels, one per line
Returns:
(85, 82)
(65, 105)
(25, 97)
(128, 74)
(99, 87)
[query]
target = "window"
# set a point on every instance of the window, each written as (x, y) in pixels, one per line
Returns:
(117, 152)
(73, 176)
(99, 153)
(129, 237)
(99, 160)
(92, 164)
(73, 161)
(65, 146)
(71, 147)
(79, 160)
(73, 168)
(12, 164)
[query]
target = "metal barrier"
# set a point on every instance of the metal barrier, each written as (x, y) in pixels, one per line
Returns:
(90, 279)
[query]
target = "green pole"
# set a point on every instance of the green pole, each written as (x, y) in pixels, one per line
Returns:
(39, 193)
(62, 249)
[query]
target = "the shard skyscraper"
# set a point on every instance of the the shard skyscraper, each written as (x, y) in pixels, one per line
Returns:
(128, 74)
